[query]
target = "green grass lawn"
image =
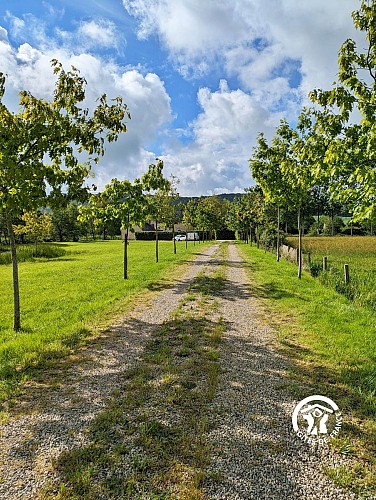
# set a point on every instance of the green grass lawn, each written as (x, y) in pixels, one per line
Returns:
(63, 300)
(331, 343)
(359, 252)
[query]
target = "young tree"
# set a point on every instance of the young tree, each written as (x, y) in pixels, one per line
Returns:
(190, 214)
(154, 182)
(60, 130)
(37, 227)
(295, 147)
(267, 169)
(125, 201)
(350, 156)
(169, 212)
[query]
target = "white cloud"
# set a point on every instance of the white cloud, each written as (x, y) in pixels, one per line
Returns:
(224, 132)
(99, 32)
(254, 38)
(29, 68)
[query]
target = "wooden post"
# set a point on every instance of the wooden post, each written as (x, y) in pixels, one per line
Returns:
(309, 259)
(346, 273)
(325, 263)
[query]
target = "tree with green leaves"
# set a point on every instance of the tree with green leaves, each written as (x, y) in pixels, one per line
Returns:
(36, 226)
(350, 154)
(190, 214)
(158, 188)
(211, 214)
(124, 201)
(267, 169)
(168, 208)
(65, 226)
(42, 146)
(293, 150)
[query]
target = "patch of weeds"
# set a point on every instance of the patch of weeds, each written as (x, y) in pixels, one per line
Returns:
(359, 478)
(4, 417)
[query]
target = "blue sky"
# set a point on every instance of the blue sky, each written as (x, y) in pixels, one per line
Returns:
(201, 79)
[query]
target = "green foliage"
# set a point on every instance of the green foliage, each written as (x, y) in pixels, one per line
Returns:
(350, 147)
(36, 226)
(65, 225)
(58, 128)
(211, 213)
(327, 226)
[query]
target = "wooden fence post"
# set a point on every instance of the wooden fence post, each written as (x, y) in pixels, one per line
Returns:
(346, 272)
(325, 263)
(309, 259)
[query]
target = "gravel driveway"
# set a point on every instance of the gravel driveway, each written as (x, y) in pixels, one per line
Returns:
(256, 453)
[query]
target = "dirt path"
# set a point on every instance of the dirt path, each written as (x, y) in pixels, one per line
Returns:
(56, 417)
(254, 452)
(258, 455)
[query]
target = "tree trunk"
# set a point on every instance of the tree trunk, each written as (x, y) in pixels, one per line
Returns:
(278, 223)
(16, 286)
(126, 253)
(186, 240)
(250, 235)
(173, 237)
(299, 246)
(156, 241)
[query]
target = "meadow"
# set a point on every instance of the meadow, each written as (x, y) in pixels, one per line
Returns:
(359, 252)
(65, 299)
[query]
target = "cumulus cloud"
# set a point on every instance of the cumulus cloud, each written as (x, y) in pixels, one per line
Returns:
(29, 67)
(254, 38)
(224, 132)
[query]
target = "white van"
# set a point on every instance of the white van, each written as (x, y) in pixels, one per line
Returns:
(192, 236)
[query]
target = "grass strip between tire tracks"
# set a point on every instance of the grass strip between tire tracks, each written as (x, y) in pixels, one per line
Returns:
(150, 441)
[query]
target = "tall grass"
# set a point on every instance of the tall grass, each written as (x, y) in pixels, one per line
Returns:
(30, 252)
(359, 252)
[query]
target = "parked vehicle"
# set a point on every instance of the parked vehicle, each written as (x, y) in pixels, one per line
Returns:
(192, 236)
(180, 237)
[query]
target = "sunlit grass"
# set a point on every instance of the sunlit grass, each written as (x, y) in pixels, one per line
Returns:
(359, 252)
(64, 299)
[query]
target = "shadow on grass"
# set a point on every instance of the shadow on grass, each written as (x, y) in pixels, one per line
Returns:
(352, 388)
(271, 291)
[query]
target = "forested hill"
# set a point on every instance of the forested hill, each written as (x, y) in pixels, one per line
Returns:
(227, 196)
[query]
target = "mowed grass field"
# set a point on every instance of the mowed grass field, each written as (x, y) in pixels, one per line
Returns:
(64, 300)
(331, 343)
(359, 252)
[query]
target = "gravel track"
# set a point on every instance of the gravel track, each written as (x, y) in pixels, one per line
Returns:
(256, 454)
(53, 419)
